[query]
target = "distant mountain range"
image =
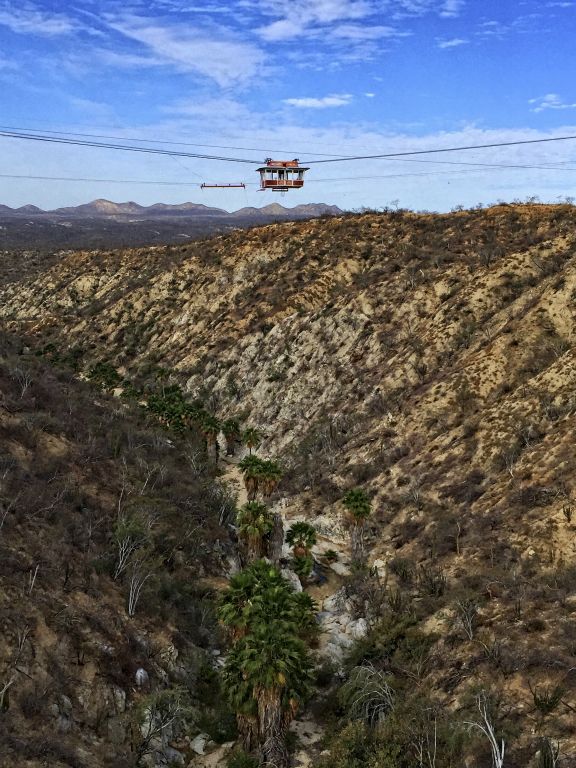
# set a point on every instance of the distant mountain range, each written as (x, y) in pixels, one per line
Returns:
(108, 209)
(104, 224)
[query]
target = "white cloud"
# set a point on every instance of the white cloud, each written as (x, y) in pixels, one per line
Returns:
(26, 19)
(297, 16)
(451, 8)
(335, 100)
(215, 54)
(444, 8)
(369, 95)
(454, 42)
(343, 20)
(358, 32)
(492, 29)
(284, 29)
(549, 101)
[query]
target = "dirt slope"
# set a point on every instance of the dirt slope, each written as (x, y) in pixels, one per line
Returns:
(429, 359)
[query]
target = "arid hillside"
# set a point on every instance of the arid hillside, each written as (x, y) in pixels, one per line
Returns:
(427, 359)
(107, 523)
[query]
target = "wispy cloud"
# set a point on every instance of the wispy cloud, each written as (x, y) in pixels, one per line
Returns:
(125, 60)
(27, 19)
(226, 108)
(359, 32)
(345, 19)
(454, 42)
(550, 101)
(335, 100)
(451, 8)
(94, 109)
(443, 8)
(215, 53)
(492, 29)
(6, 64)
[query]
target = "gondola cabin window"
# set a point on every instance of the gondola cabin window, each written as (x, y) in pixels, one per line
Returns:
(281, 175)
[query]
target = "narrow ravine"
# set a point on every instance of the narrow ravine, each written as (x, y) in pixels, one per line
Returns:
(338, 627)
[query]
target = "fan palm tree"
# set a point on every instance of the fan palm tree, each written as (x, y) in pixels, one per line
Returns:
(251, 468)
(260, 593)
(301, 536)
(273, 664)
(268, 671)
(260, 475)
(210, 428)
(252, 438)
(359, 508)
(232, 434)
(255, 520)
(270, 476)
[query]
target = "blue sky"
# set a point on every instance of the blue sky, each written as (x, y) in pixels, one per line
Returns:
(290, 78)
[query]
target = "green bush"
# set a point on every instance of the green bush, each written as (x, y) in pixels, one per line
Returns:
(303, 566)
(241, 760)
(219, 723)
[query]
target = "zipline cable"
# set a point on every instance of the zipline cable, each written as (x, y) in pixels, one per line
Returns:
(286, 152)
(444, 149)
(124, 147)
(199, 156)
(331, 179)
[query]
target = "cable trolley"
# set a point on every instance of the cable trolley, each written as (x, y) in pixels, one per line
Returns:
(281, 175)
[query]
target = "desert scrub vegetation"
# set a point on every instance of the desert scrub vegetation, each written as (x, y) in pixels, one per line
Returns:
(106, 524)
(425, 360)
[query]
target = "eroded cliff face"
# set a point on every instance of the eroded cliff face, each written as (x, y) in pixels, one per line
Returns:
(428, 359)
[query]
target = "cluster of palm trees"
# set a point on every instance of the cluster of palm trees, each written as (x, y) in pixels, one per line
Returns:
(268, 672)
(172, 409)
(256, 521)
(260, 475)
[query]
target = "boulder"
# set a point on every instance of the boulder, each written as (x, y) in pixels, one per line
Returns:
(291, 577)
(302, 760)
(358, 628)
(173, 756)
(341, 569)
(199, 744)
(335, 603)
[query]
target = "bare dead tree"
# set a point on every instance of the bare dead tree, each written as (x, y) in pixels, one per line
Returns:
(141, 569)
(158, 714)
(23, 378)
(130, 536)
(467, 613)
(425, 739)
(487, 727)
